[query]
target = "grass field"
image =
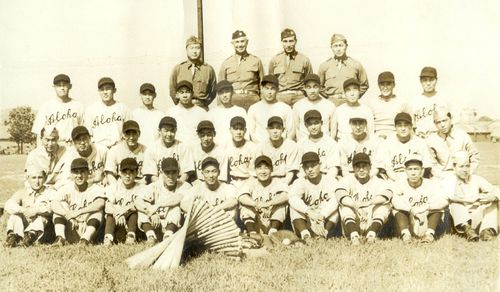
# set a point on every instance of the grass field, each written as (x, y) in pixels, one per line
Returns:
(450, 264)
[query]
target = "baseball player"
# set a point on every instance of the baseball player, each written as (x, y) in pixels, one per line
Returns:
(352, 107)
(128, 148)
(313, 206)
(283, 152)
(29, 210)
(105, 118)
(327, 149)
(417, 202)
(385, 106)
(269, 106)
(263, 201)
(244, 71)
(396, 148)
(147, 115)
(61, 112)
(336, 70)
(364, 201)
(159, 211)
(241, 153)
(447, 141)
(290, 67)
(186, 113)
(200, 74)
(473, 201)
(314, 101)
(78, 207)
(167, 146)
(221, 115)
(120, 210)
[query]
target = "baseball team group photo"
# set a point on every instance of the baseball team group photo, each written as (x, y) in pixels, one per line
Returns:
(281, 172)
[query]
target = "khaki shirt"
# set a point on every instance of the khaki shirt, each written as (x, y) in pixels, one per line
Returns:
(244, 73)
(28, 198)
(202, 76)
(332, 75)
(290, 70)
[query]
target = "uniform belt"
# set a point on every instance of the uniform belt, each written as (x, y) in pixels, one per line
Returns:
(238, 178)
(245, 91)
(290, 91)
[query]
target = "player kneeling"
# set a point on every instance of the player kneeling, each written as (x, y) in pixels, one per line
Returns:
(473, 201)
(418, 202)
(78, 206)
(29, 210)
(120, 209)
(159, 211)
(313, 207)
(263, 200)
(363, 201)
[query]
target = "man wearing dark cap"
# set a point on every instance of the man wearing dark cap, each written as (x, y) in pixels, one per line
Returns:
(263, 200)
(159, 212)
(352, 107)
(129, 147)
(283, 152)
(385, 106)
(206, 147)
(194, 70)
(104, 119)
(269, 106)
(167, 147)
(364, 201)
(290, 67)
(334, 71)
(222, 114)
(186, 113)
(61, 112)
(313, 206)
(78, 206)
(397, 147)
(314, 101)
(147, 115)
(244, 71)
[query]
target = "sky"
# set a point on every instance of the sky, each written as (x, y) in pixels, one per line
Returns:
(141, 41)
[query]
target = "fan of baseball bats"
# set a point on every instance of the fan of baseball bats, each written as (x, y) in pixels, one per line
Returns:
(205, 229)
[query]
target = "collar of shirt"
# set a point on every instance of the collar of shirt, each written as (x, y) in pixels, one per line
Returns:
(340, 59)
(292, 55)
(195, 63)
(387, 99)
(242, 57)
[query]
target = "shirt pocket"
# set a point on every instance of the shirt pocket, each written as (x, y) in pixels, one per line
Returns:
(199, 88)
(231, 74)
(279, 70)
(250, 73)
(297, 72)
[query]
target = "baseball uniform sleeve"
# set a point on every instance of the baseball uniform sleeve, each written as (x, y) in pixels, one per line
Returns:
(295, 196)
(293, 161)
(111, 164)
(13, 205)
(252, 123)
(289, 123)
(343, 189)
(186, 158)
(399, 201)
(150, 166)
(438, 199)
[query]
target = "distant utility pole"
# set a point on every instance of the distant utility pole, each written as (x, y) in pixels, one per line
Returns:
(200, 28)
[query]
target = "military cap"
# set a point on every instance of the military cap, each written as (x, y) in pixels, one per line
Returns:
(238, 34)
(337, 37)
(287, 32)
(192, 40)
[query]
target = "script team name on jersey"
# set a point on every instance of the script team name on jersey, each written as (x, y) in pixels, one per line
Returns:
(322, 197)
(58, 116)
(101, 120)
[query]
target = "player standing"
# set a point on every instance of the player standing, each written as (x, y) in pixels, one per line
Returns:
(147, 115)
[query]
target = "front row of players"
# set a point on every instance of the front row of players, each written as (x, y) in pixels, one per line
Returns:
(317, 202)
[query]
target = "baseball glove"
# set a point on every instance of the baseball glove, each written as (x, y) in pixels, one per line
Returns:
(318, 227)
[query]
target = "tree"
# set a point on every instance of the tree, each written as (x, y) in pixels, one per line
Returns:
(20, 123)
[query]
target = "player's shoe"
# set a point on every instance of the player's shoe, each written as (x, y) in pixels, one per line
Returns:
(130, 239)
(12, 240)
(371, 239)
(428, 238)
(151, 240)
(355, 240)
(108, 241)
(29, 238)
(60, 241)
(406, 238)
(83, 242)
(487, 235)
(471, 234)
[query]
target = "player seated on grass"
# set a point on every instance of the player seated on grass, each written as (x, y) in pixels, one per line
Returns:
(324, 145)
(121, 214)
(29, 210)
(158, 207)
(167, 147)
(473, 201)
(78, 207)
(283, 152)
(418, 203)
(207, 147)
(313, 206)
(263, 200)
(363, 201)
(128, 147)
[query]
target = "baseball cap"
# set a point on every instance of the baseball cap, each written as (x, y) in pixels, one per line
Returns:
(351, 81)
(192, 40)
(184, 83)
(416, 157)
(312, 77)
(288, 32)
(224, 84)
(205, 125)
(360, 157)
(274, 119)
(167, 121)
(78, 131)
(147, 86)
(337, 37)
(238, 34)
(403, 117)
(428, 72)
(238, 121)
(386, 76)
(357, 118)
(310, 157)
(130, 125)
(105, 80)
(61, 78)
(270, 79)
(209, 161)
(129, 163)
(263, 159)
(169, 163)
(312, 114)
(79, 163)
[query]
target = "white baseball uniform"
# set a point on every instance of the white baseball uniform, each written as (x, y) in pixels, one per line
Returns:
(241, 162)
(121, 151)
(218, 152)
(260, 112)
(284, 158)
(148, 121)
(422, 108)
(220, 195)
(105, 122)
(52, 164)
(155, 154)
(328, 116)
(384, 111)
(187, 121)
(221, 117)
(96, 161)
(370, 145)
(346, 112)
(327, 149)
